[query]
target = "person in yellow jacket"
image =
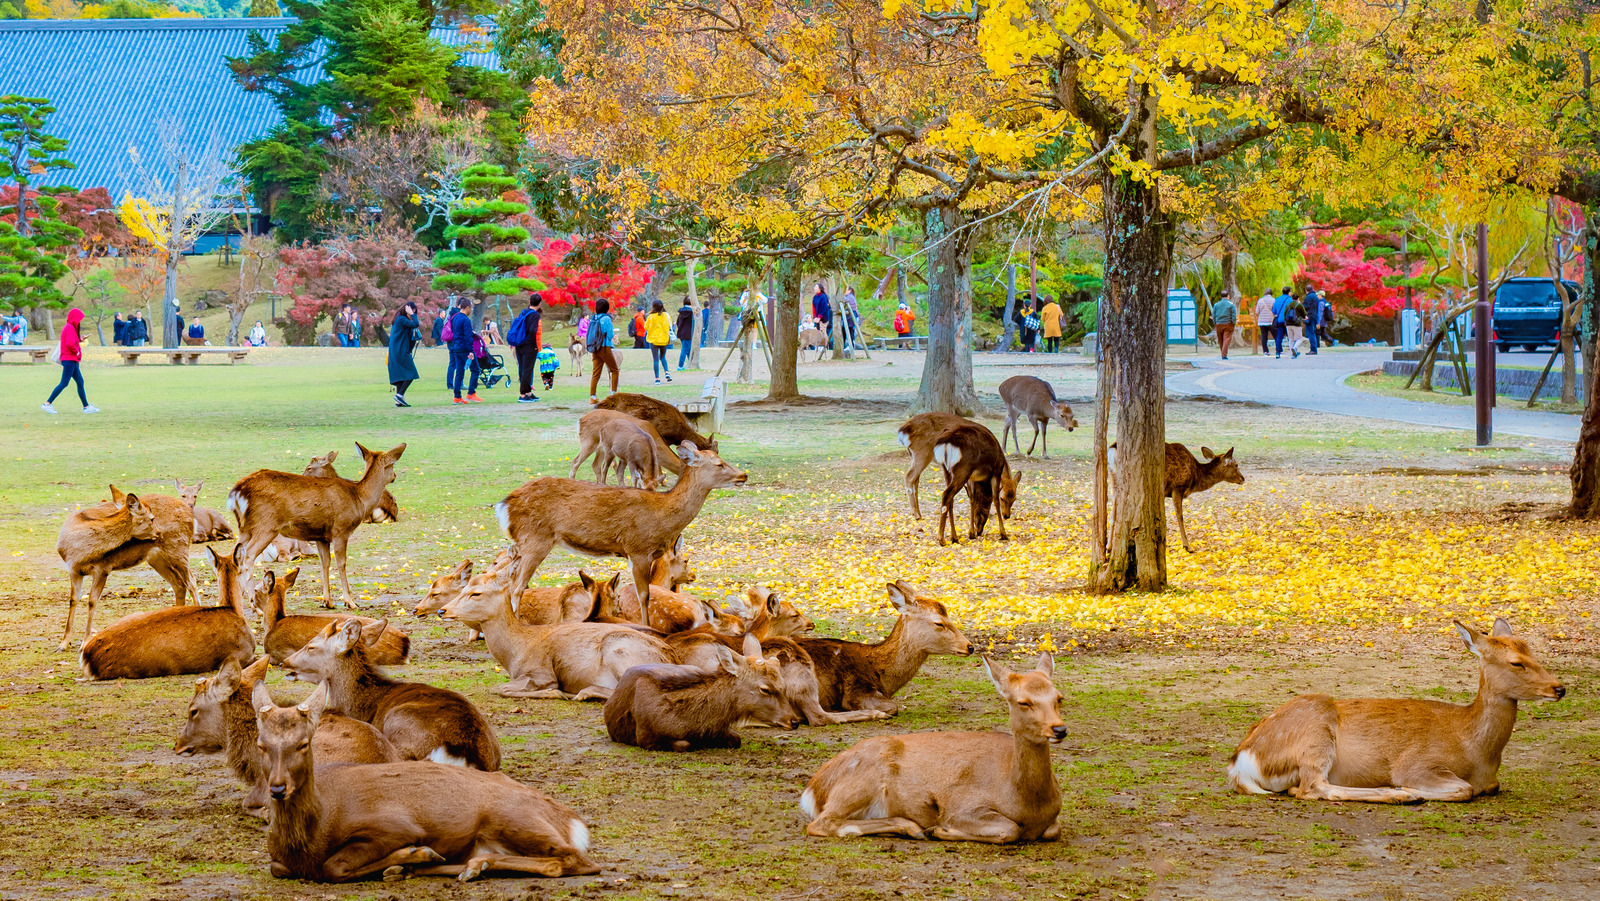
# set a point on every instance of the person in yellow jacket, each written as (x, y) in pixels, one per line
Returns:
(1050, 327)
(658, 334)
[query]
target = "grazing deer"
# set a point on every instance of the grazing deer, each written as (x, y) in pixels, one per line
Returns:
(575, 661)
(683, 708)
(324, 510)
(1397, 751)
(423, 722)
(918, 435)
(973, 460)
(1187, 476)
(176, 640)
(96, 540)
(221, 719)
(952, 786)
(589, 434)
(284, 635)
(388, 509)
(209, 524)
(601, 520)
(1034, 398)
(855, 676)
(345, 823)
(669, 421)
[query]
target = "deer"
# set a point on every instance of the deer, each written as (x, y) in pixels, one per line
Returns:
(283, 635)
(670, 572)
(324, 510)
(284, 550)
(410, 818)
(918, 435)
(422, 721)
(221, 718)
(1025, 395)
(780, 617)
(602, 520)
(952, 786)
(813, 338)
(1186, 476)
(573, 661)
(628, 447)
(972, 459)
(576, 350)
(174, 641)
(209, 524)
(669, 421)
(1388, 751)
(594, 423)
(388, 509)
(856, 676)
(101, 539)
(685, 708)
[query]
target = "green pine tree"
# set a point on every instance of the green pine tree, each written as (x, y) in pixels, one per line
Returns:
(484, 259)
(26, 150)
(32, 263)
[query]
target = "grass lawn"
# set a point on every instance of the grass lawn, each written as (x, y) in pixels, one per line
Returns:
(1395, 386)
(1336, 567)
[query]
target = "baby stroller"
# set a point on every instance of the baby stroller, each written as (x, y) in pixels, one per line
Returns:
(491, 367)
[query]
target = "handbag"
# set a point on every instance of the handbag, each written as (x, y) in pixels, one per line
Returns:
(55, 354)
(447, 334)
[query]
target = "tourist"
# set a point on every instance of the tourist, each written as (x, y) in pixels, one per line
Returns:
(491, 333)
(1294, 321)
(905, 321)
(852, 317)
(1264, 321)
(70, 355)
(1279, 326)
(523, 336)
(1224, 316)
(197, 331)
(636, 330)
(438, 327)
(1313, 317)
(658, 333)
(1030, 325)
(118, 327)
(258, 335)
(461, 339)
(822, 311)
(355, 327)
(685, 331)
(1050, 326)
(548, 364)
(405, 333)
(601, 342)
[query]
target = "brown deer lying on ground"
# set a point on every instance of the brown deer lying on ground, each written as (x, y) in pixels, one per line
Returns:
(1032, 397)
(595, 422)
(669, 421)
(972, 459)
(423, 722)
(855, 676)
(176, 640)
(683, 708)
(1397, 751)
(286, 634)
(324, 510)
(99, 540)
(388, 509)
(781, 618)
(952, 786)
(420, 818)
(209, 524)
(283, 550)
(1187, 476)
(918, 435)
(221, 719)
(670, 572)
(601, 520)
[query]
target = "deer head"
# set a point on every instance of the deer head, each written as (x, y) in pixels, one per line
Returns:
(928, 625)
(284, 737)
(710, 468)
(1033, 699)
(445, 588)
(1062, 413)
(758, 685)
(1509, 665)
(1222, 468)
(189, 493)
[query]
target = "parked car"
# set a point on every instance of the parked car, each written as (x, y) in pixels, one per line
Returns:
(1527, 311)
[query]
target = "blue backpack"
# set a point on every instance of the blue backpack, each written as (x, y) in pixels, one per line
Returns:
(518, 333)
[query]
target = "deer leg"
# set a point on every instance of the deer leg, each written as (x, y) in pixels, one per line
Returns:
(1436, 785)
(524, 686)
(176, 572)
(585, 448)
(1044, 437)
(96, 587)
(827, 827)
(72, 608)
(538, 866)
(363, 857)
(1006, 431)
(992, 828)
(994, 492)
(1035, 440)
(1183, 532)
(530, 554)
(327, 584)
(913, 482)
(340, 547)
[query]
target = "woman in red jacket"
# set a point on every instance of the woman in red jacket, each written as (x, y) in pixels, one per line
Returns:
(71, 353)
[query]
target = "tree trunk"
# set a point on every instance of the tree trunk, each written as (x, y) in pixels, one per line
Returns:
(652, 291)
(1138, 257)
(715, 326)
(1569, 367)
(693, 297)
(1010, 333)
(1590, 315)
(236, 313)
(169, 303)
(900, 284)
(1230, 274)
(785, 383)
(1585, 471)
(947, 370)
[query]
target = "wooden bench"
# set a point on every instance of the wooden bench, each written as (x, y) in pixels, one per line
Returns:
(916, 342)
(35, 354)
(705, 414)
(179, 355)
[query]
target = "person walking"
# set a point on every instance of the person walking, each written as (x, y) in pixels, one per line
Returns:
(822, 311)
(523, 336)
(69, 352)
(636, 330)
(118, 329)
(1224, 316)
(1030, 326)
(258, 335)
(601, 342)
(461, 340)
(685, 332)
(1294, 321)
(1264, 320)
(548, 364)
(658, 334)
(1313, 317)
(1279, 329)
(355, 327)
(1050, 326)
(404, 336)
(852, 317)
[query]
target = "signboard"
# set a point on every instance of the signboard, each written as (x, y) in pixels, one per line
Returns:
(1181, 324)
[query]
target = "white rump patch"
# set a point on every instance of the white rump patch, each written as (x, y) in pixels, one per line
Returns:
(1245, 774)
(1111, 456)
(237, 503)
(578, 835)
(502, 515)
(905, 438)
(946, 455)
(440, 755)
(808, 804)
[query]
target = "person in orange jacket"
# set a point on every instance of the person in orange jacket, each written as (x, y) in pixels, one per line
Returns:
(904, 321)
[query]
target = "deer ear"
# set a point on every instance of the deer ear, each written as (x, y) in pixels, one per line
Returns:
(132, 502)
(365, 454)
(394, 453)
(1046, 665)
(216, 558)
(116, 495)
(256, 671)
(616, 580)
(347, 633)
(588, 583)
(998, 674)
(228, 676)
(1502, 629)
(313, 706)
(774, 603)
(1206, 452)
(752, 646)
(1016, 479)
(269, 581)
(334, 455)
(261, 700)
(726, 660)
(1469, 637)
(370, 634)
(1228, 453)
(290, 577)
(686, 451)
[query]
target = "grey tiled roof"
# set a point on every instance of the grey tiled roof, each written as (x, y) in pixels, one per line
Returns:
(111, 79)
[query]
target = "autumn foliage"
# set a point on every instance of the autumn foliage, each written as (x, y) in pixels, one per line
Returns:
(575, 283)
(375, 273)
(1354, 279)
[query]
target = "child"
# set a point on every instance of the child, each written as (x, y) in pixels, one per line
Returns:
(548, 364)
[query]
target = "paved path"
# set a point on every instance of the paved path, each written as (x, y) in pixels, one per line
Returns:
(1317, 383)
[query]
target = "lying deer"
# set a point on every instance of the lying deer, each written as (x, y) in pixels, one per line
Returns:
(421, 818)
(209, 524)
(973, 460)
(601, 520)
(324, 510)
(855, 676)
(1034, 398)
(684, 708)
(669, 421)
(176, 640)
(284, 635)
(423, 722)
(670, 572)
(590, 428)
(221, 719)
(1397, 751)
(919, 434)
(284, 550)
(388, 509)
(1187, 476)
(952, 786)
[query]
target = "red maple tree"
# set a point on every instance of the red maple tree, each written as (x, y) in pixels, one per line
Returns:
(375, 273)
(1338, 266)
(567, 284)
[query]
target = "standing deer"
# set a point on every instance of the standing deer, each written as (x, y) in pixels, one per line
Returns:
(96, 540)
(1034, 398)
(682, 708)
(669, 421)
(324, 510)
(919, 434)
(388, 509)
(576, 350)
(414, 817)
(601, 520)
(1186, 476)
(209, 524)
(629, 447)
(589, 431)
(973, 460)
(1397, 751)
(952, 786)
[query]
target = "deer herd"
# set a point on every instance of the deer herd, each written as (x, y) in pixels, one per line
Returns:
(418, 790)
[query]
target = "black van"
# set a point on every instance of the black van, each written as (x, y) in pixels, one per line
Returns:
(1527, 311)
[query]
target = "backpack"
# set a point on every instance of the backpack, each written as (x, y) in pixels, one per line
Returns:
(447, 334)
(518, 333)
(594, 341)
(1293, 314)
(633, 327)
(1031, 322)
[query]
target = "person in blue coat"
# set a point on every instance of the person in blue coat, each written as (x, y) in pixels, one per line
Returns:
(1279, 327)
(404, 336)
(461, 336)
